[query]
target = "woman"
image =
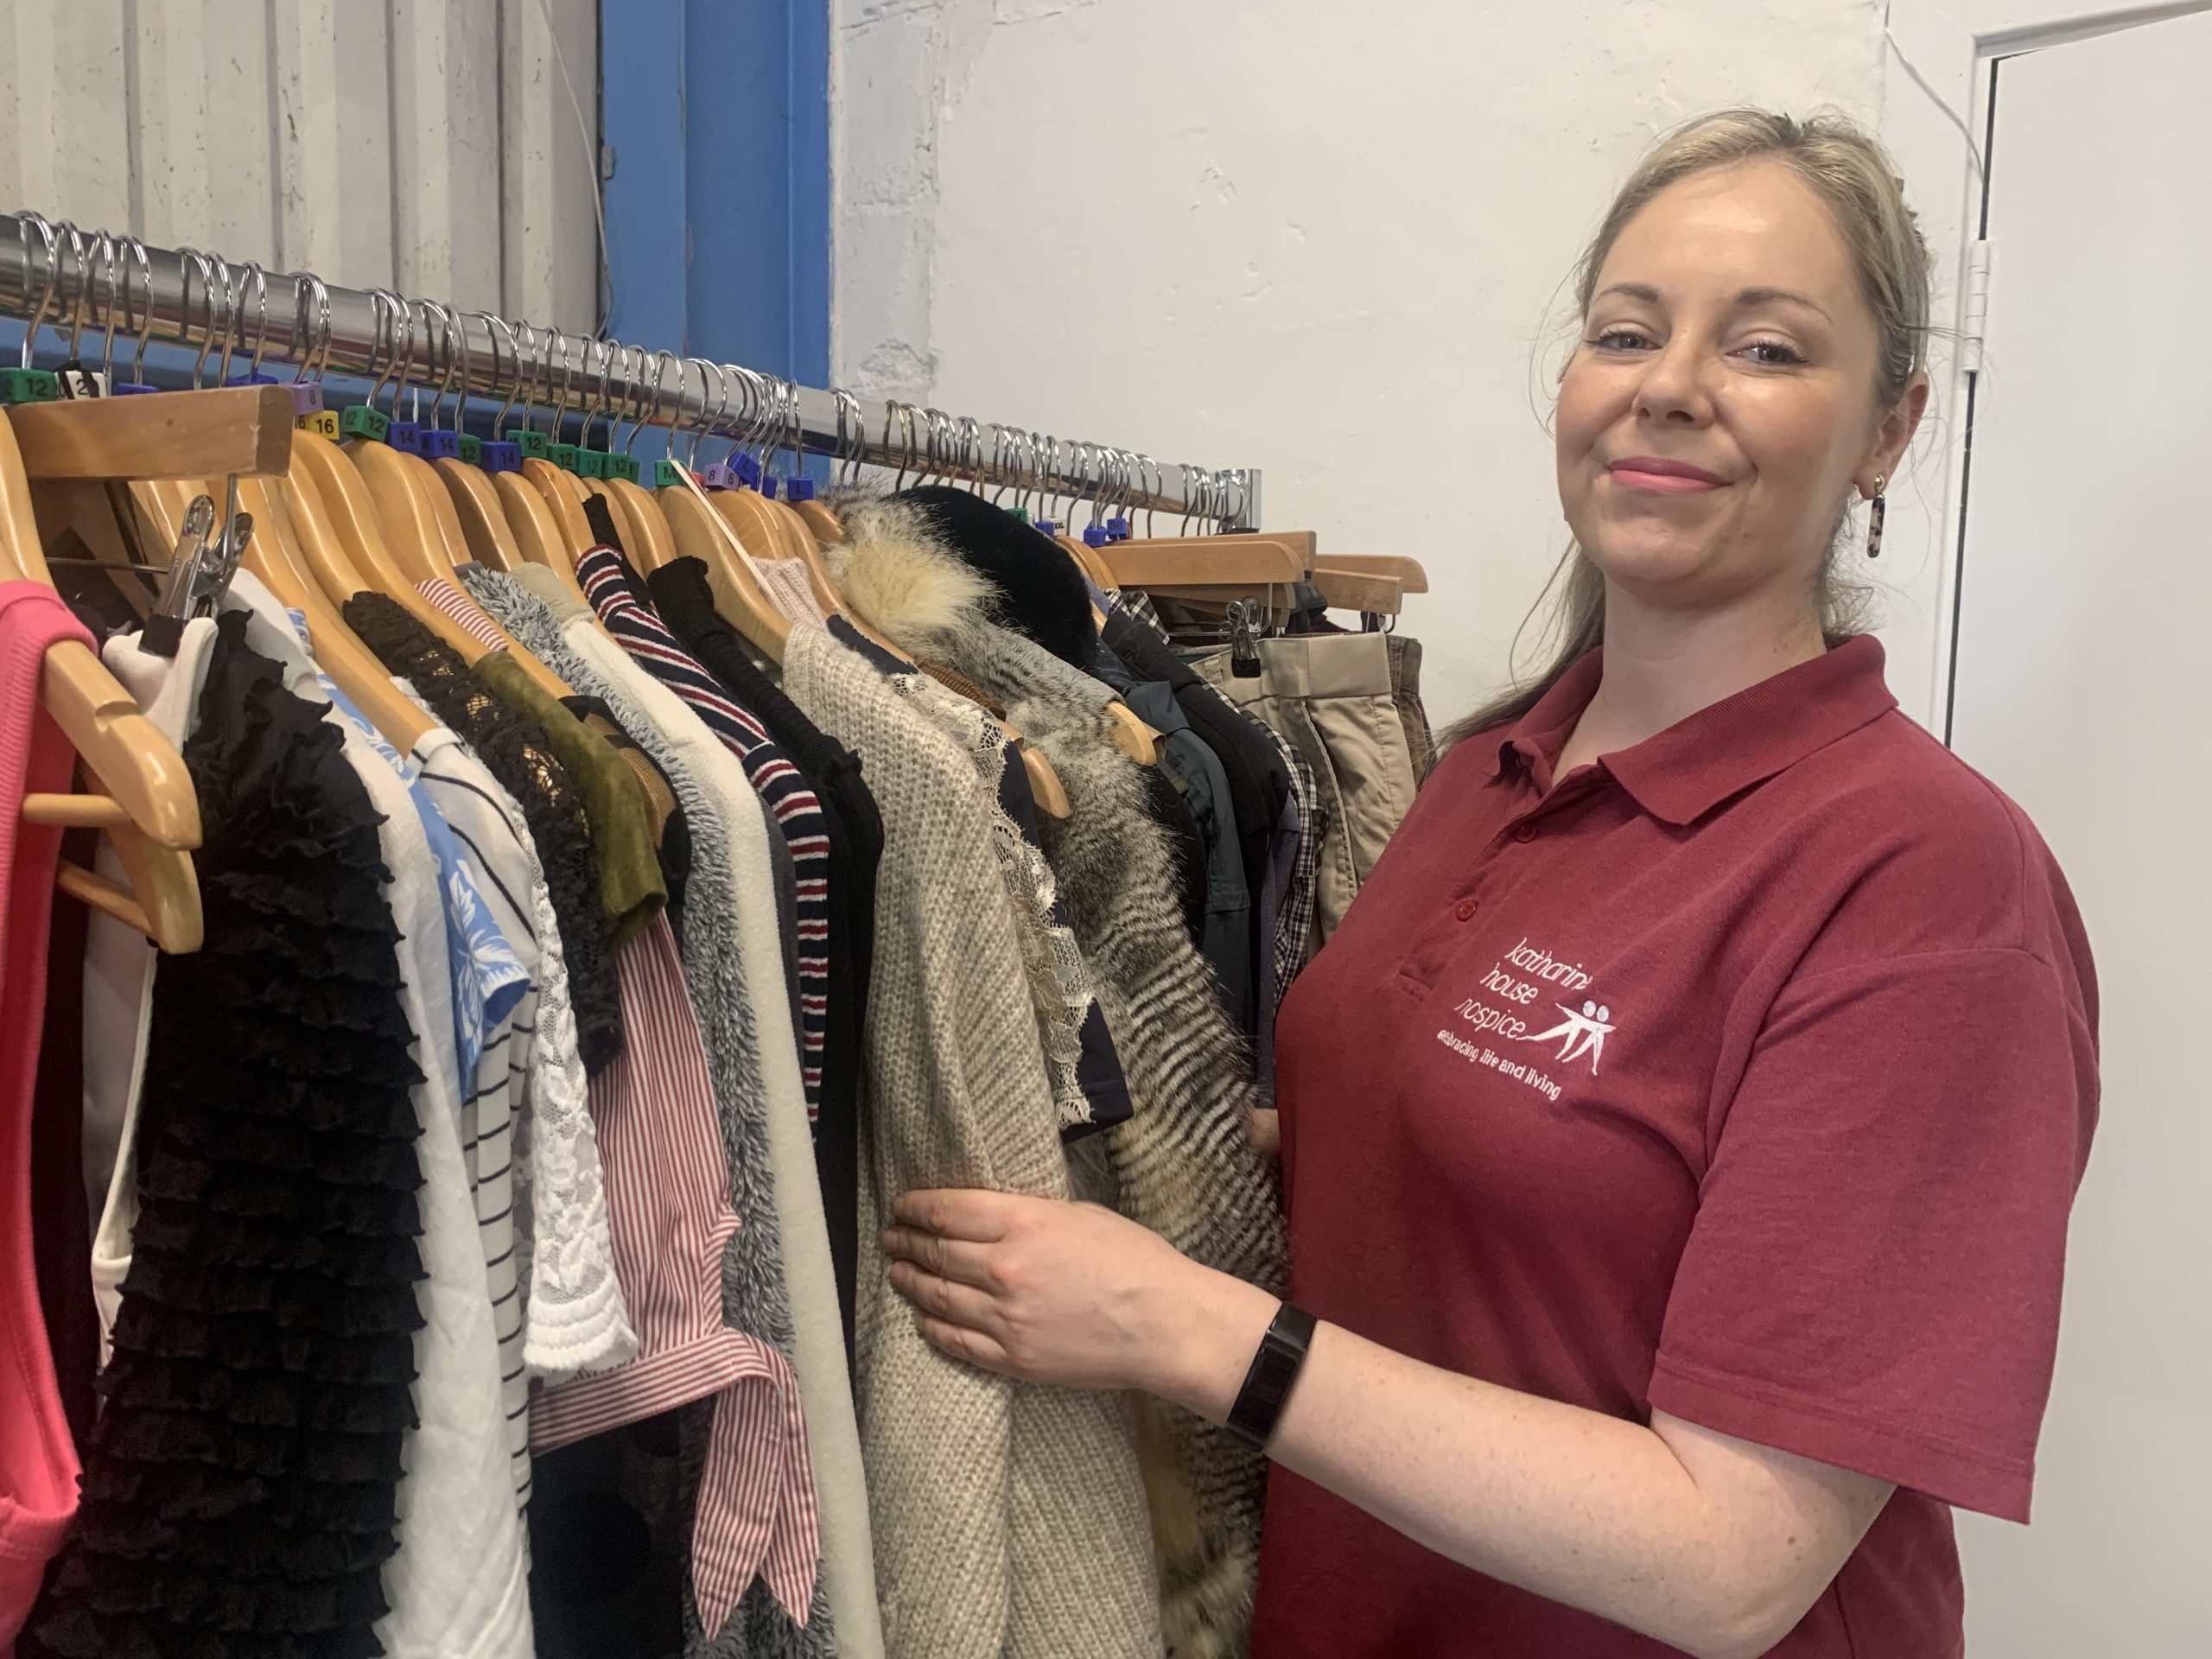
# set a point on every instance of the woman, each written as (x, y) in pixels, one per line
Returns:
(1679, 1134)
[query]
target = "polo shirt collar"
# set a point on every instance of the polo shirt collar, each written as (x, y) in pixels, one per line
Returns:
(1681, 773)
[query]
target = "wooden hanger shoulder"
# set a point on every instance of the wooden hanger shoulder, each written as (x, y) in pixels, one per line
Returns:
(699, 533)
(1203, 562)
(483, 521)
(1357, 590)
(564, 501)
(361, 534)
(821, 521)
(654, 544)
(1408, 572)
(275, 556)
(415, 539)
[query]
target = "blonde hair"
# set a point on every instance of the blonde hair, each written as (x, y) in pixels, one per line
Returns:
(1851, 171)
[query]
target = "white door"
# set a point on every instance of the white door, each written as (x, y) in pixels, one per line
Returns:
(2083, 688)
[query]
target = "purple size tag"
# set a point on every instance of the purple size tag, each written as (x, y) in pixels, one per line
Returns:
(717, 476)
(405, 435)
(307, 397)
(440, 445)
(503, 457)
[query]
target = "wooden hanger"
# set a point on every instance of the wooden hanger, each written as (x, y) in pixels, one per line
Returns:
(539, 536)
(655, 543)
(276, 557)
(701, 533)
(406, 497)
(483, 521)
(360, 535)
(1204, 562)
(1410, 577)
(149, 809)
(564, 498)
(1359, 590)
(1304, 544)
(822, 522)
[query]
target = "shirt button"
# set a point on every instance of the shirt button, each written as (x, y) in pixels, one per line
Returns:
(1526, 832)
(1467, 909)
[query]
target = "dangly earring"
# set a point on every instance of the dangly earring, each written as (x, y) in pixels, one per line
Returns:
(1875, 514)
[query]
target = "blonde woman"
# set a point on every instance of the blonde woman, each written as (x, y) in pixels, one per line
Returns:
(1679, 1134)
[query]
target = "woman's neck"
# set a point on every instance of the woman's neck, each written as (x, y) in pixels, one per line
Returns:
(1663, 666)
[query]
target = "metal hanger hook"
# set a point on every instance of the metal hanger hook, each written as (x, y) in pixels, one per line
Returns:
(39, 223)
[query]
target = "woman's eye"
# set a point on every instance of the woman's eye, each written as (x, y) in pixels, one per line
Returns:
(1620, 340)
(1773, 353)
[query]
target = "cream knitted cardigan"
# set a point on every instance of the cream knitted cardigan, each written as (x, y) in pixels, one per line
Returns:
(1009, 1519)
(1184, 1163)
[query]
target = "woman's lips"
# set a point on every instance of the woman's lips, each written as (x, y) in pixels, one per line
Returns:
(1662, 477)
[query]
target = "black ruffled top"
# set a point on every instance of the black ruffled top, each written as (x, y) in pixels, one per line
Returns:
(239, 1482)
(517, 754)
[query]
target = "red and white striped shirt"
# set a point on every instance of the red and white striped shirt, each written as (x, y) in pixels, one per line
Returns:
(668, 1191)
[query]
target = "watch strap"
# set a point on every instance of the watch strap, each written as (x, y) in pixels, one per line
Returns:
(1274, 1369)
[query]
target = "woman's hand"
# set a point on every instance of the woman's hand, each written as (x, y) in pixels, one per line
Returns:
(1072, 1294)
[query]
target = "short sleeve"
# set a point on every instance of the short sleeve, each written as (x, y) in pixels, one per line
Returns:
(1872, 1277)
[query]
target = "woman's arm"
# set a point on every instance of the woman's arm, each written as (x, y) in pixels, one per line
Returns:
(1712, 1544)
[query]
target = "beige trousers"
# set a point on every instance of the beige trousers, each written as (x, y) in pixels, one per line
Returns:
(1330, 696)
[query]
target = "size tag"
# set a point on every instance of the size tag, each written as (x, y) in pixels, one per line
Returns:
(404, 435)
(623, 466)
(74, 381)
(668, 475)
(359, 421)
(472, 450)
(502, 457)
(527, 443)
(28, 386)
(438, 444)
(717, 476)
(590, 463)
(323, 422)
(563, 455)
(306, 397)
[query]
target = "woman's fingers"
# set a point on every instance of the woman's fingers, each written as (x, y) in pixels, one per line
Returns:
(948, 1258)
(962, 1343)
(945, 1298)
(978, 1216)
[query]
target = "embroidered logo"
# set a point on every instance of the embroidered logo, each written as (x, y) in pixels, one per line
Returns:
(1588, 1028)
(1514, 983)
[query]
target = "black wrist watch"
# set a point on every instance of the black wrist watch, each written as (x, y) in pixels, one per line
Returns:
(1267, 1385)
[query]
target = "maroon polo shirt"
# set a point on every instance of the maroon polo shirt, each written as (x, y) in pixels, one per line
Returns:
(1745, 1075)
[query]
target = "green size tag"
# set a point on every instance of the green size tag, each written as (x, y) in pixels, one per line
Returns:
(472, 450)
(323, 422)
(563, 455)
(29, 386)
(359, 421)
(591, 463)
(667, 474)
(623, 466)
(531, 443)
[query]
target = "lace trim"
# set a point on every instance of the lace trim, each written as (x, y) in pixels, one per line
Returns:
(522, 761)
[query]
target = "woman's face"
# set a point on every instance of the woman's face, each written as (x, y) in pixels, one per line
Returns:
(1720, 405)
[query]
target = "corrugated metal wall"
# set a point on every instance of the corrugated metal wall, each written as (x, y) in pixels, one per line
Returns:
(431, 146)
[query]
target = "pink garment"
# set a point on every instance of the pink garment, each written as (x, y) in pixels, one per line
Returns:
(668, 1196)
(464, 611)
(38, 1463)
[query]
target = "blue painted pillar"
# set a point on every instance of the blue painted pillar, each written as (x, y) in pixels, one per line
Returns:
(718, 212)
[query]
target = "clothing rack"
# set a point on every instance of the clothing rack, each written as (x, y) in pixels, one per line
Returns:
(53, 274)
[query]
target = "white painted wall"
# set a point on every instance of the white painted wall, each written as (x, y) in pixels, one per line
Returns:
(426, 145)
(1317, 239)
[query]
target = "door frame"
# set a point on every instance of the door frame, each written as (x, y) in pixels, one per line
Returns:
(1939, 84)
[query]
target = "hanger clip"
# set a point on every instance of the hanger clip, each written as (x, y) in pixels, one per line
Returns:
(1243, 615)
(164, 629)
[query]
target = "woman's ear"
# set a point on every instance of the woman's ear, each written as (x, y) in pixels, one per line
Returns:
(1894, 436)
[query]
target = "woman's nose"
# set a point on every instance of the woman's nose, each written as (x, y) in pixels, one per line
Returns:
(1673, 389)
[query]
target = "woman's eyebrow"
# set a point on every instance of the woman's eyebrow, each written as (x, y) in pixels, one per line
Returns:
(1751, 296)
(1745, 299)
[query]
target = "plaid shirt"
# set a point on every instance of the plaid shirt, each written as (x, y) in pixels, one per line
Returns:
(789, 798)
